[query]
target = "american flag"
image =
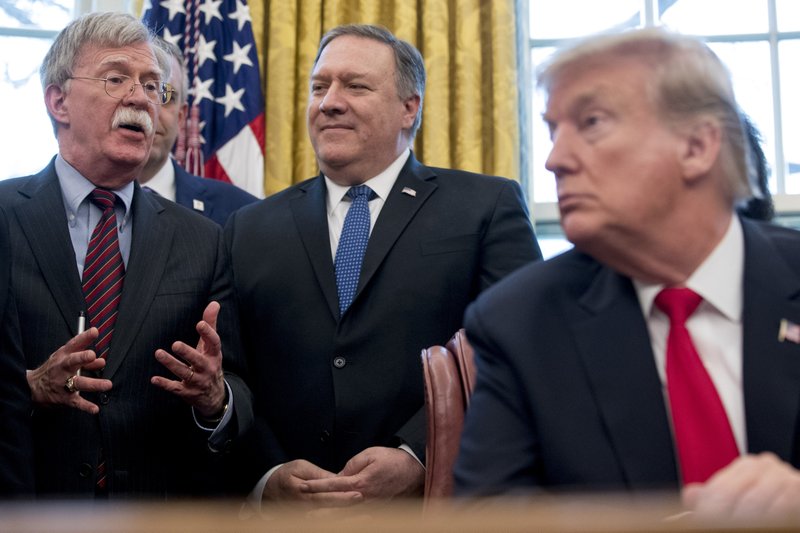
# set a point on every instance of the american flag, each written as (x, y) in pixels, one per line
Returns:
(224, 136)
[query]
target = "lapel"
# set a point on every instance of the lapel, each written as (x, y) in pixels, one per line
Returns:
(397, 212)
(187, 190)
(150, 249)
(614, 345)
(771, 369)
(50, 242)
(309, 209)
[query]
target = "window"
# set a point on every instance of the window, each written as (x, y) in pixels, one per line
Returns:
(759, 41)
(27, 29)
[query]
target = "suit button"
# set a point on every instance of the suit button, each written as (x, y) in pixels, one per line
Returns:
(339, 362)
(104, 398)
(325, 436)
(85, 470)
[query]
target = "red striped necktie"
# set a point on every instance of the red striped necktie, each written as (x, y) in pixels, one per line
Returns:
(703, 434)
(103, 272)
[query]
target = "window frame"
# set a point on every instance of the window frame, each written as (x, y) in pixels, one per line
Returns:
(545, 214)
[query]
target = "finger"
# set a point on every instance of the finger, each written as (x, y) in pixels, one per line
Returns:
(95, 364)
(82, 341)
(178, 367)
(169, 385)
(691, 494)
(86, 384)
(211, 313)
(210, 343)
(334, 499)
(333, 484)
(84, 405)
(72, 362)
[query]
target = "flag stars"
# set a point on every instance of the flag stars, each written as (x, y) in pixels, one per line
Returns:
(210, 9)
(174, 7)
(174, 39)
(202, 89)
(239, 56)
(232, 100)
(205, 50)
(241, 15)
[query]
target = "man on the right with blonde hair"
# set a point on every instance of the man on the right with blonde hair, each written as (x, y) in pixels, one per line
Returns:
(664, 350)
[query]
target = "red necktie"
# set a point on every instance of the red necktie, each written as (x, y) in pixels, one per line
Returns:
(703, 433)
(103, 272)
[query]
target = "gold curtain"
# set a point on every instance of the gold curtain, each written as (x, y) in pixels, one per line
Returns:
(471, 109)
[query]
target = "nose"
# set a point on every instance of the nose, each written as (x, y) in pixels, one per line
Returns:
(561, 160)
(136, 95)
(333, 101)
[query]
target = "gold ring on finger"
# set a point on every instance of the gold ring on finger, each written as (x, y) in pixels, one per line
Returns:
(69, 385)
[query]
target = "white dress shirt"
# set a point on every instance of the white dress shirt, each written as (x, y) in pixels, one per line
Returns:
(715, 327)
(163, 181)
(339, 203)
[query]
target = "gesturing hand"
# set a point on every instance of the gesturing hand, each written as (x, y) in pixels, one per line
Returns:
(199, 369)
(49, 383)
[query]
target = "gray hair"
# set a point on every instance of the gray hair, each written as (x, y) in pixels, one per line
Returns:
(409, 64)
(173, 51)
(688, 81)
(113, 30)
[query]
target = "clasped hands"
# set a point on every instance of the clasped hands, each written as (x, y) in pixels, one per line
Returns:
(375, 474)
(199, 371)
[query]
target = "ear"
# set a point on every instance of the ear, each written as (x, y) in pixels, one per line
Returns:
(411, 106)
(700, 149)
(55, 98)
(184, 111)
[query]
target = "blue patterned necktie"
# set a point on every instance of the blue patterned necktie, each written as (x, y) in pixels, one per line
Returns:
(352, 245)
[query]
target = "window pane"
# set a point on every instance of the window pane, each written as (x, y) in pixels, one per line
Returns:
(716, 17)
(789, 53)
(749, 65)
(41, 14)
(572, 18)
(544, 183)
(26, 141)
(788, 12)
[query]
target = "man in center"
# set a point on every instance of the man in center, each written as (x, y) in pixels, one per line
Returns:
(342, 280)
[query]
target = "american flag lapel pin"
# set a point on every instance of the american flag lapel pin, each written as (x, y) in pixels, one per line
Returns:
(409, 191)
(789, 331)
(198, 205)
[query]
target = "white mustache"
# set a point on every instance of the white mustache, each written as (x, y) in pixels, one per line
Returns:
(133, 117)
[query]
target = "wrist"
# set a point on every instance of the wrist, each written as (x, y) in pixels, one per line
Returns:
(216, 417)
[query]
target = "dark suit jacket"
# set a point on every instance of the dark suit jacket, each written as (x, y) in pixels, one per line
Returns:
(219, 199)
(568, 394)
(16, 456)
(327, 388)
(177, 265)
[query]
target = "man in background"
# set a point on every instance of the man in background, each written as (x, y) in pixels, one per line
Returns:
(162, 174)
(343, 279)
(662, 352)
(131, 406)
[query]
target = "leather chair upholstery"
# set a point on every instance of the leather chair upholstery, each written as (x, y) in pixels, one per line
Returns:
(449, 380)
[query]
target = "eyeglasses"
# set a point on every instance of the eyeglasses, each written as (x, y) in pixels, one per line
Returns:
(157, 92)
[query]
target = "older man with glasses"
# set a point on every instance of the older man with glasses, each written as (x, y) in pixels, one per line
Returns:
(135, 401)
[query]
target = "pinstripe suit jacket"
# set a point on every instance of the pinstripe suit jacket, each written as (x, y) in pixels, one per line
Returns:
(177, 265)
(16, 456)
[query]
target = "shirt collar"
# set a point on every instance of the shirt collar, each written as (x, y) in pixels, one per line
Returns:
(163, 181)
(381, 184)
(718, 279)
(75, 188)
